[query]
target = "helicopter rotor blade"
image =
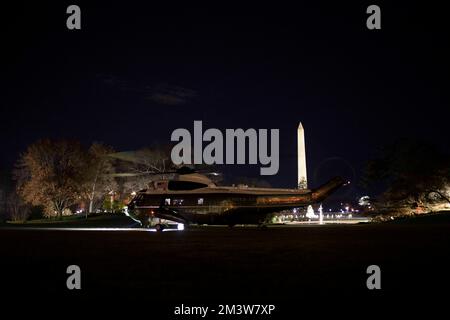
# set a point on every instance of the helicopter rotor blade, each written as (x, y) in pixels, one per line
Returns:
(129, 156)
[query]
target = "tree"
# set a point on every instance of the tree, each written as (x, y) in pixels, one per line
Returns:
(410, 171)
(50, 173)
(302, 184)
(151, 160)
(98, 175)
(18, 210)
(143, 166)
(4, 189)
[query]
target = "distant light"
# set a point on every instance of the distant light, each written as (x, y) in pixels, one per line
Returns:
(180, 226)
(133, 193)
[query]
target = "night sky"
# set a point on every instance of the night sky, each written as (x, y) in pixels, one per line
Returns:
(136, 72)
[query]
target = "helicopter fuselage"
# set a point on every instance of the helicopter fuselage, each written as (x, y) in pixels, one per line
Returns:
(223, 205)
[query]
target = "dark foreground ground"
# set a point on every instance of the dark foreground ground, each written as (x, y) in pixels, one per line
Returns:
(291, 267)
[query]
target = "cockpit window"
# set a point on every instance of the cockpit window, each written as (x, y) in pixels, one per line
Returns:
(185, 185)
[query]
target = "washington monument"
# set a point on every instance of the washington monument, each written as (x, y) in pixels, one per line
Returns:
(302, 182)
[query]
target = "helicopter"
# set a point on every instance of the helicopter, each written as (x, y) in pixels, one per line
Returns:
(189, 197)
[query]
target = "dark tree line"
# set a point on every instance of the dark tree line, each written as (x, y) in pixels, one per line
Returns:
(410, 172)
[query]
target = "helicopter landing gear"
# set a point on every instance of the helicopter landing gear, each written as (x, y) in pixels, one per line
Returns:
(145, 224)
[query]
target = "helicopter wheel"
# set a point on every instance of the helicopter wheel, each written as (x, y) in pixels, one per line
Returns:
(159, 227)
(145, 224)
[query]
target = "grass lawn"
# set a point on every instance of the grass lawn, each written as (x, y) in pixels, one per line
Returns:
(430, 218)
(104, 220)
